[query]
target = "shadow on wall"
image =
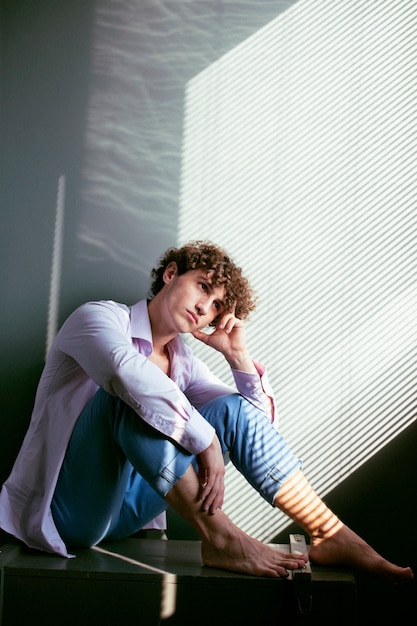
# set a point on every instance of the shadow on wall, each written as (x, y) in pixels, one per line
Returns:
(45, 55)
(63, 114)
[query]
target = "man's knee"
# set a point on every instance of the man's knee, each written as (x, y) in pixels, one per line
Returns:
(227, 415)
(222, 404)
(232, 406)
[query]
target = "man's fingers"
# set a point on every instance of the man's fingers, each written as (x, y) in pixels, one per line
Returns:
(213, 496)
(203, 479)
(204, 490)
(211, 476)
(198, 334)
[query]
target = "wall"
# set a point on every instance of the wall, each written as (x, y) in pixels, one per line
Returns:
(45, 53)
(106, 112)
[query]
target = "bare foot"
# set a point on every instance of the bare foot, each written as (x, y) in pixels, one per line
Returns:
(346, 548)
(245, 555)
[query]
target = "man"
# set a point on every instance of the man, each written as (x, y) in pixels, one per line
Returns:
(127, 422)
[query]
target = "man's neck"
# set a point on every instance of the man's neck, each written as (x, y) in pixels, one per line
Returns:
(160, 336)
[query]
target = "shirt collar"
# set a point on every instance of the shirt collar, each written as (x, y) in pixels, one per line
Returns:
(141, 326)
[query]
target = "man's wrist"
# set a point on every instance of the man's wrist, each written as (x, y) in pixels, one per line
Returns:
(242, 363)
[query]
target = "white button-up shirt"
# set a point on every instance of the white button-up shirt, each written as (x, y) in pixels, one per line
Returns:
(106, 344)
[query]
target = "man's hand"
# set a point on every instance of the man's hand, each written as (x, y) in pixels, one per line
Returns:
(211, 472)
(229, 338)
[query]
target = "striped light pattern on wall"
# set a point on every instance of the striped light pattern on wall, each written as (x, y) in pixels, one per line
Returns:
(299, 158)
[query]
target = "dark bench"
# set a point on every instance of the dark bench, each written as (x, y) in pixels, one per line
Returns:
(150, 582)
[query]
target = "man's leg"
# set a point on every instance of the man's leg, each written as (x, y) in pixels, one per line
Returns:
(101, 478)
(115, 474)
(254, 446)
(101, 496)
(332, 542)
(263, 457)
(224, 545)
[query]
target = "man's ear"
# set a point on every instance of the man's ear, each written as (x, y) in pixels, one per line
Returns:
(170, 271)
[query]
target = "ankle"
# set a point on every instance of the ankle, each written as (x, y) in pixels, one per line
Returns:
(326, 528)
(302, 504)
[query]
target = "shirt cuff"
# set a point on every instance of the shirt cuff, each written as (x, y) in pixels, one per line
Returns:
(257, 389)
(198, 434)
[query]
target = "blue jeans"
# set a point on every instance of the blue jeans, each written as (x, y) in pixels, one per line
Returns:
(118, 469)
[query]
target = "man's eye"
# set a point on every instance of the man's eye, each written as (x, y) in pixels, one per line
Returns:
(204, 286)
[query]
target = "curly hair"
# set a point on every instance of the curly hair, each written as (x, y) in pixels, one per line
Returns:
(223, 272)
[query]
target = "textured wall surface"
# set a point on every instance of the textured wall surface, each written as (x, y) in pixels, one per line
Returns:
(92, 92)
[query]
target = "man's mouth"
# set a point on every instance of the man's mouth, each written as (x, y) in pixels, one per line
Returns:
(193, 316)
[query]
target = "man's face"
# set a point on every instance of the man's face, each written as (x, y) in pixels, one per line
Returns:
(192, 301)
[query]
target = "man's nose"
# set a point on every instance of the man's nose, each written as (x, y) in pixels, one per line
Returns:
(201, 308)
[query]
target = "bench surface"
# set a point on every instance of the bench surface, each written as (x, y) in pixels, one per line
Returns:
(163, 582)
